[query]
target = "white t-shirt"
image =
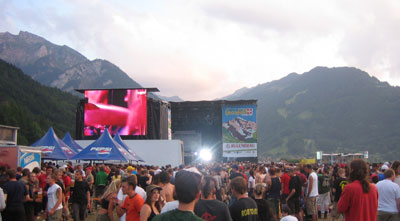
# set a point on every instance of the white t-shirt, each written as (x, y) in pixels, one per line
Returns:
(397, 180)
(2, 201)
(388, 192)
(139, 190)
(251, 182)
(52, 197)
(121, 197)
(289, 218)
(170, 206)
(314, 191)
(218, 180)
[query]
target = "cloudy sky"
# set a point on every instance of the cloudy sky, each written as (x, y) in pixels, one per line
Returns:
(205, 49)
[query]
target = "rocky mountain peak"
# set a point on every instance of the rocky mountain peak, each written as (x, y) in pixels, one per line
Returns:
(30, 38)
(60, 66)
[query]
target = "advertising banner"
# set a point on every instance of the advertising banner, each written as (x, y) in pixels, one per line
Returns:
(239, 131)
(29, 159)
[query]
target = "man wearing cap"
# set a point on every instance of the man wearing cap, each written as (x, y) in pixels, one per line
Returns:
(187, 187)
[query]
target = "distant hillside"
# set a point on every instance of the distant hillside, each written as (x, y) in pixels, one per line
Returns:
(170, 99)
(328, 109)
(60, 66)
(33, 107)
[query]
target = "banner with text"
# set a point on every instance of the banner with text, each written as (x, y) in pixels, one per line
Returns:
(29, 159)
(239, 131)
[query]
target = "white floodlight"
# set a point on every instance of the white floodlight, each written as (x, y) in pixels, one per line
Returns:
(205, 154)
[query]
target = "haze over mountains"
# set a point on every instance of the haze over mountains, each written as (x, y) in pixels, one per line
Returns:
(329, 109)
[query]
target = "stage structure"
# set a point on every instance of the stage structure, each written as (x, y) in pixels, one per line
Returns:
(130, 112)
(227, 128)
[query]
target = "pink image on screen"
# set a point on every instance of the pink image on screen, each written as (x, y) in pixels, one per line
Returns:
(123, 111)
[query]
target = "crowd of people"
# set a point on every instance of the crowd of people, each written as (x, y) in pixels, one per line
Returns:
(214, 191)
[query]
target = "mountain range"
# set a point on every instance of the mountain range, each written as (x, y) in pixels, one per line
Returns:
(328, 109)
(60, 66)
(33, 107)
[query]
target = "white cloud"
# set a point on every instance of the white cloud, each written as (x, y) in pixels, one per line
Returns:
(208, 49)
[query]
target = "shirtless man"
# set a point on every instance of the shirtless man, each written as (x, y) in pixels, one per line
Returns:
(167, 191)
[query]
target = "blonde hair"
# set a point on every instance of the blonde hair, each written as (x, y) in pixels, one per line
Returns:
(113, 188)
(259, 189)
(341, 171)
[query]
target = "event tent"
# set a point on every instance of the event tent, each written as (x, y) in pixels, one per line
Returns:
(53, 148)
(104, 148)
(71, 143)
(118, 139)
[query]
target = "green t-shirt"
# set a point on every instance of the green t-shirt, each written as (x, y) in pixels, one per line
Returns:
(177, 215)
(101, 178)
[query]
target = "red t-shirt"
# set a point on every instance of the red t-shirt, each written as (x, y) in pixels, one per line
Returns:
(358, 205)
(67, 181)
(285, 179)
(42, 181)
(303, 178)
(245, 177)
(107, 170)
(133, 206)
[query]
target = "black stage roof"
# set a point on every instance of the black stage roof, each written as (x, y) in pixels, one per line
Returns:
(189, 103)
(149, 89)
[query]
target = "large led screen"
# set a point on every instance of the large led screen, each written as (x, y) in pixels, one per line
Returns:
(119, 110)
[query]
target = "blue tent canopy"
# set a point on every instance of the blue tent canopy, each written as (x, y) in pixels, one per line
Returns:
(53, 148)
(118, 139)
(104, 148)
(71, 143)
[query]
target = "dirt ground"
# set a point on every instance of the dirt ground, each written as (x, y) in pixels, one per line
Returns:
(91, 217)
